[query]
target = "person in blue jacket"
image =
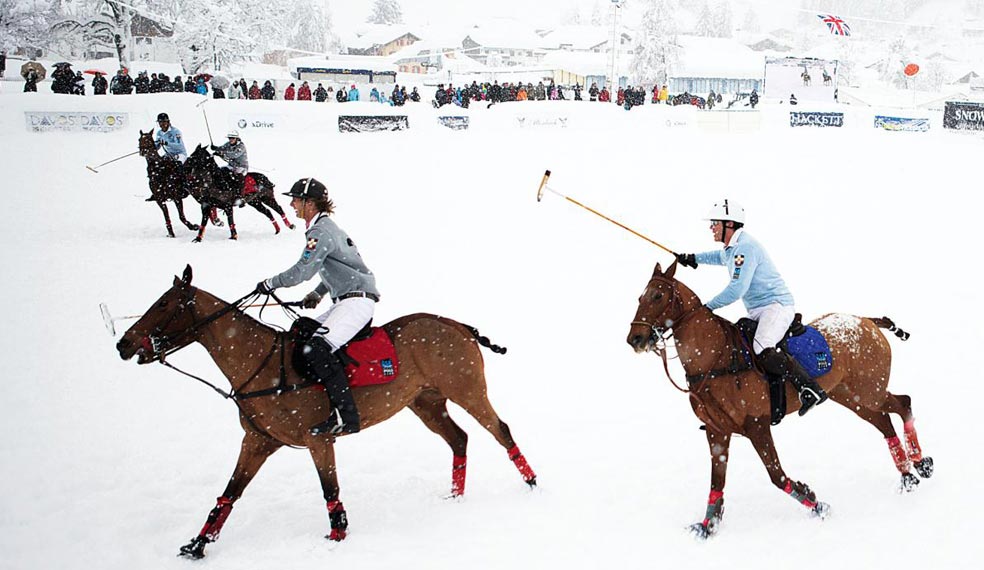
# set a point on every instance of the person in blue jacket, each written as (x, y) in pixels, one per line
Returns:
(755, 280)
(169, 138)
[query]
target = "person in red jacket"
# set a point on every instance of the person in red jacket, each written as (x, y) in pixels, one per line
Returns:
(254, 91)
(620, 97)
(304, 92)
(604, 96)
(289, 93)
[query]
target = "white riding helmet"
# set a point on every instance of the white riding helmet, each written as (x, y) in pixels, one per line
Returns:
(727, 211)
(233, 134)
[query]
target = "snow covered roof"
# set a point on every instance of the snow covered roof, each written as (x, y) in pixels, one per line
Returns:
(251, 70)
(578, 37)
(717, 57)
(581, 63)
(333, 61)
(370, 35)
(501, 36)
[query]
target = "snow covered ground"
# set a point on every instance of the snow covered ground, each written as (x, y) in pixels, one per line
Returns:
(107, 464)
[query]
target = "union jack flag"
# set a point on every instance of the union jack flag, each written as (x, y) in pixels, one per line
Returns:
(837, 26)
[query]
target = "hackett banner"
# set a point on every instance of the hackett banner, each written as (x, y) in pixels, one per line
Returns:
(811, 119)
(963, 115)
(46, 122)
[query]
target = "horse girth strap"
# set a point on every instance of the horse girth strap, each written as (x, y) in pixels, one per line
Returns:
(282, 387)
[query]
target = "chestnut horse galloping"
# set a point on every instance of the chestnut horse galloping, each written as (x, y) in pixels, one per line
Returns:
(439, 360)
(165, 179)
(738, 403)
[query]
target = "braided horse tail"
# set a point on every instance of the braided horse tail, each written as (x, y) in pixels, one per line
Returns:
(887, 323)
(484, 340)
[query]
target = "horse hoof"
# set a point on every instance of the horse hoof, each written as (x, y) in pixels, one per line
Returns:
(291, 226)
(194, 549)
(197, 240)
(700, 531)
(821, 510)
(336, 535)
(924, 467)
(234, 237)
(909, 483)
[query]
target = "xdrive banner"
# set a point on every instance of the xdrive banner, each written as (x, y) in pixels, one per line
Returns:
(809, 119)
(46, 122)
(964, 116)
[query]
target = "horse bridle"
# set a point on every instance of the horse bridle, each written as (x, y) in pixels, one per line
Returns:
(659, 334)
(163, 345)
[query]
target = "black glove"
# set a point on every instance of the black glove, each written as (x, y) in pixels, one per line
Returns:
(213, 147)
(311, 300)
(688, 259)
(264, 288)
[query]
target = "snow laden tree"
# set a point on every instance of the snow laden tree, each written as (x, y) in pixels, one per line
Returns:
(214, 33)
(97, 24)
(656, 52)
(723, 20)
(25, 23)
(704, 27)
(308, 28)
(386, 12)
(751, 23)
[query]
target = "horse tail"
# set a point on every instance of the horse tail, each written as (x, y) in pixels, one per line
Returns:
(484, 340)
(887, 323)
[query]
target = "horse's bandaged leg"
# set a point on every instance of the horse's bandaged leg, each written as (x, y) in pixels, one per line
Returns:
(338, 519)
(458, 476)
(715, 510)
(902, 462)
(912, 441)
(801, 493)
(216, 518)
(520, 462)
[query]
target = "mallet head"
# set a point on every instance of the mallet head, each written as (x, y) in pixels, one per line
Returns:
(543, 183)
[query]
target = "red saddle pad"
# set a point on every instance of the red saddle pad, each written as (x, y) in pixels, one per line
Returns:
(249, 185)
(375, 360)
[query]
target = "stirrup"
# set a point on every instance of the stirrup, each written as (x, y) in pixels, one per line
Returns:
(334, 425)
(810, 398)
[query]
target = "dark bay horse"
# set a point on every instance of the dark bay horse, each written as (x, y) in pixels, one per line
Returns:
(738, 403)
(214, 188)
(439, 360)
(165, 179)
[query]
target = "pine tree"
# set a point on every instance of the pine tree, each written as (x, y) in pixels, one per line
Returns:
(386, 12)
(656, 52)
(705, 22)
(24, 23)
(723, 21)
(751, 23)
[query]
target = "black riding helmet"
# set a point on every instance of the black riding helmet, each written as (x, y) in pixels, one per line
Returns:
(163, 117)
(307, 188)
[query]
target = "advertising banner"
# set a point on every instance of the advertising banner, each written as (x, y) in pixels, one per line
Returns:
(542, 122)
(963, 115)
(372, 123)
(901, 124)
(813, 119)
(455, 123)
(78, 122)
(252, 122)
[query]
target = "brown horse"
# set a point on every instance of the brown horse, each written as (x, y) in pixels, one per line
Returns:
(439, 360)
(165, 179)
(737, 402)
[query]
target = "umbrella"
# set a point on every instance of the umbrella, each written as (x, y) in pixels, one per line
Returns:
(63, 64)
(37, 67)
(94, 72)
(220, 82)
(203, 77)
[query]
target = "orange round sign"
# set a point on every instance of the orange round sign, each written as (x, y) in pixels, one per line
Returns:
(911, 69)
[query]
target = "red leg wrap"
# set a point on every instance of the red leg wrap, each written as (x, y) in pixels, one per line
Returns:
(339, 520)
(714, 501)
(802, 497)
(520, 462)
(458, 476)
(912, 441)
(216, 518)
(902, 462)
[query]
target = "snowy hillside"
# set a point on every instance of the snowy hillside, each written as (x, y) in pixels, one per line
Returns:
(111, 465)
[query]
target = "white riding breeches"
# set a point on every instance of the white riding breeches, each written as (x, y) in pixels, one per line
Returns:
(345, 318)
(773, 322)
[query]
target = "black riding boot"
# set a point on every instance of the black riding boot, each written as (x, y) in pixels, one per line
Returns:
(329, 369)
(783, 364)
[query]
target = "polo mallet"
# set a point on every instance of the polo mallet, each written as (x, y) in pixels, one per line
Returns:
(109, 320)
(93, 168)
(207, 128)
(539, 197)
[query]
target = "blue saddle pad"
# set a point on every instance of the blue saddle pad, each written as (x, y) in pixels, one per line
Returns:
(812, 351)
